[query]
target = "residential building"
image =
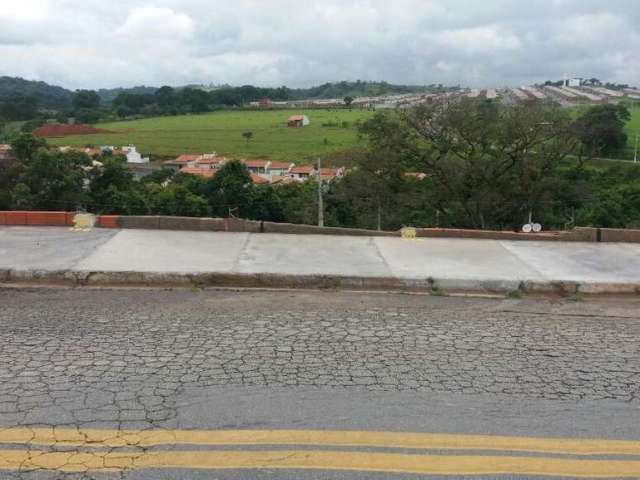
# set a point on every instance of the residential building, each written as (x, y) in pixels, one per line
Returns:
(282, 179)
(279, 168)
(261, 171)
(182, 161)
(268, 168)
(330, 174)
(6, 152)
(203, 160)
(210, 160)
(298, 121)
(133, 156)
(302, 172)
(259, 179)
(256, 166)
(203, 172)
(211, 172)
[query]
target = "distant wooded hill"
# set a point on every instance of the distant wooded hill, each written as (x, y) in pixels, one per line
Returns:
(46, 96)
(358, 89)
(58, 98)
(22, 99)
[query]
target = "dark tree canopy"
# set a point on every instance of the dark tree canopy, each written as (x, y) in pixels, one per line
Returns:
(488, 163)
(601, 129)
(86, 99)
(230, 190)
(26, 145)
(19, 107)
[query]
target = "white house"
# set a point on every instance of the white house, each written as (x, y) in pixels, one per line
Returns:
(133, 156)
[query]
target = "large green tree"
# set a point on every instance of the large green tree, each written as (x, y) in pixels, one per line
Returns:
(86, 106)
(52, 180)
(25, 145)
(195, 100)
(109, 180)
(19, 107)
(85, 99)
(230, 190)
(487, 163)
(601, 129)
(175, 199)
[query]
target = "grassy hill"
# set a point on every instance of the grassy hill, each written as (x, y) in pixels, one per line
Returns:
(222, 132)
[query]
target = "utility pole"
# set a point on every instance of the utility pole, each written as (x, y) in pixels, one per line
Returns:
(320, 203)
(635, 150)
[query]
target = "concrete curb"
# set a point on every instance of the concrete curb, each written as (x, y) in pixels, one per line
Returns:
(75, 278)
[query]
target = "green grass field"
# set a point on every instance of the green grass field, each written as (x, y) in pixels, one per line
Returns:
(633, 126)
(165, 137)
(222, 132)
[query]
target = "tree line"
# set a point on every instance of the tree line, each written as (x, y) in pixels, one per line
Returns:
(486, 165)
(36, 102)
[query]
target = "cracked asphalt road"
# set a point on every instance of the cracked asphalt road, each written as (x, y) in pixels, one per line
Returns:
(177, 359)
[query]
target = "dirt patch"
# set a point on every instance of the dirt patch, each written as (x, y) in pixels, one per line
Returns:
(62, 130)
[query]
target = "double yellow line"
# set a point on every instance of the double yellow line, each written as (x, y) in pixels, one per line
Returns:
(96, 456)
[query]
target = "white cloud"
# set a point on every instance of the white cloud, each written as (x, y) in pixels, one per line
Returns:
(153, 23)
(91, 43)
(484, 39)
(24, 10)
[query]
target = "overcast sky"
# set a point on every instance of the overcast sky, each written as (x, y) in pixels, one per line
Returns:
(298, 43)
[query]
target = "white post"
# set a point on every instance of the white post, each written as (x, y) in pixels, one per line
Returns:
(635, 150)
(320, 203)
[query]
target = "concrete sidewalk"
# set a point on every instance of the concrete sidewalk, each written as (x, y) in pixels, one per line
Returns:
(53, 254)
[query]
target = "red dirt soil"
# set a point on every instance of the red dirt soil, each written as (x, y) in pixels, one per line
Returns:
(62, 130)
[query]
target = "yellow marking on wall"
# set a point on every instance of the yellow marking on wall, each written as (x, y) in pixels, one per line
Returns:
(320, 460)
(408, 233)
(83, 222)
(333, 438)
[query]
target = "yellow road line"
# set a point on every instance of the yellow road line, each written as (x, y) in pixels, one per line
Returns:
(319, 460)
(335, 438)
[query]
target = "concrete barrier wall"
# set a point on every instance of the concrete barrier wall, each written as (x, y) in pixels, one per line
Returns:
(108, 221)
(184, 223)
(272, 227)
(178, 223)
(578, 234)
(212, 224)
(59, 219)
(139, 221)
(619, 235)
(241, 225)
(582, 234)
